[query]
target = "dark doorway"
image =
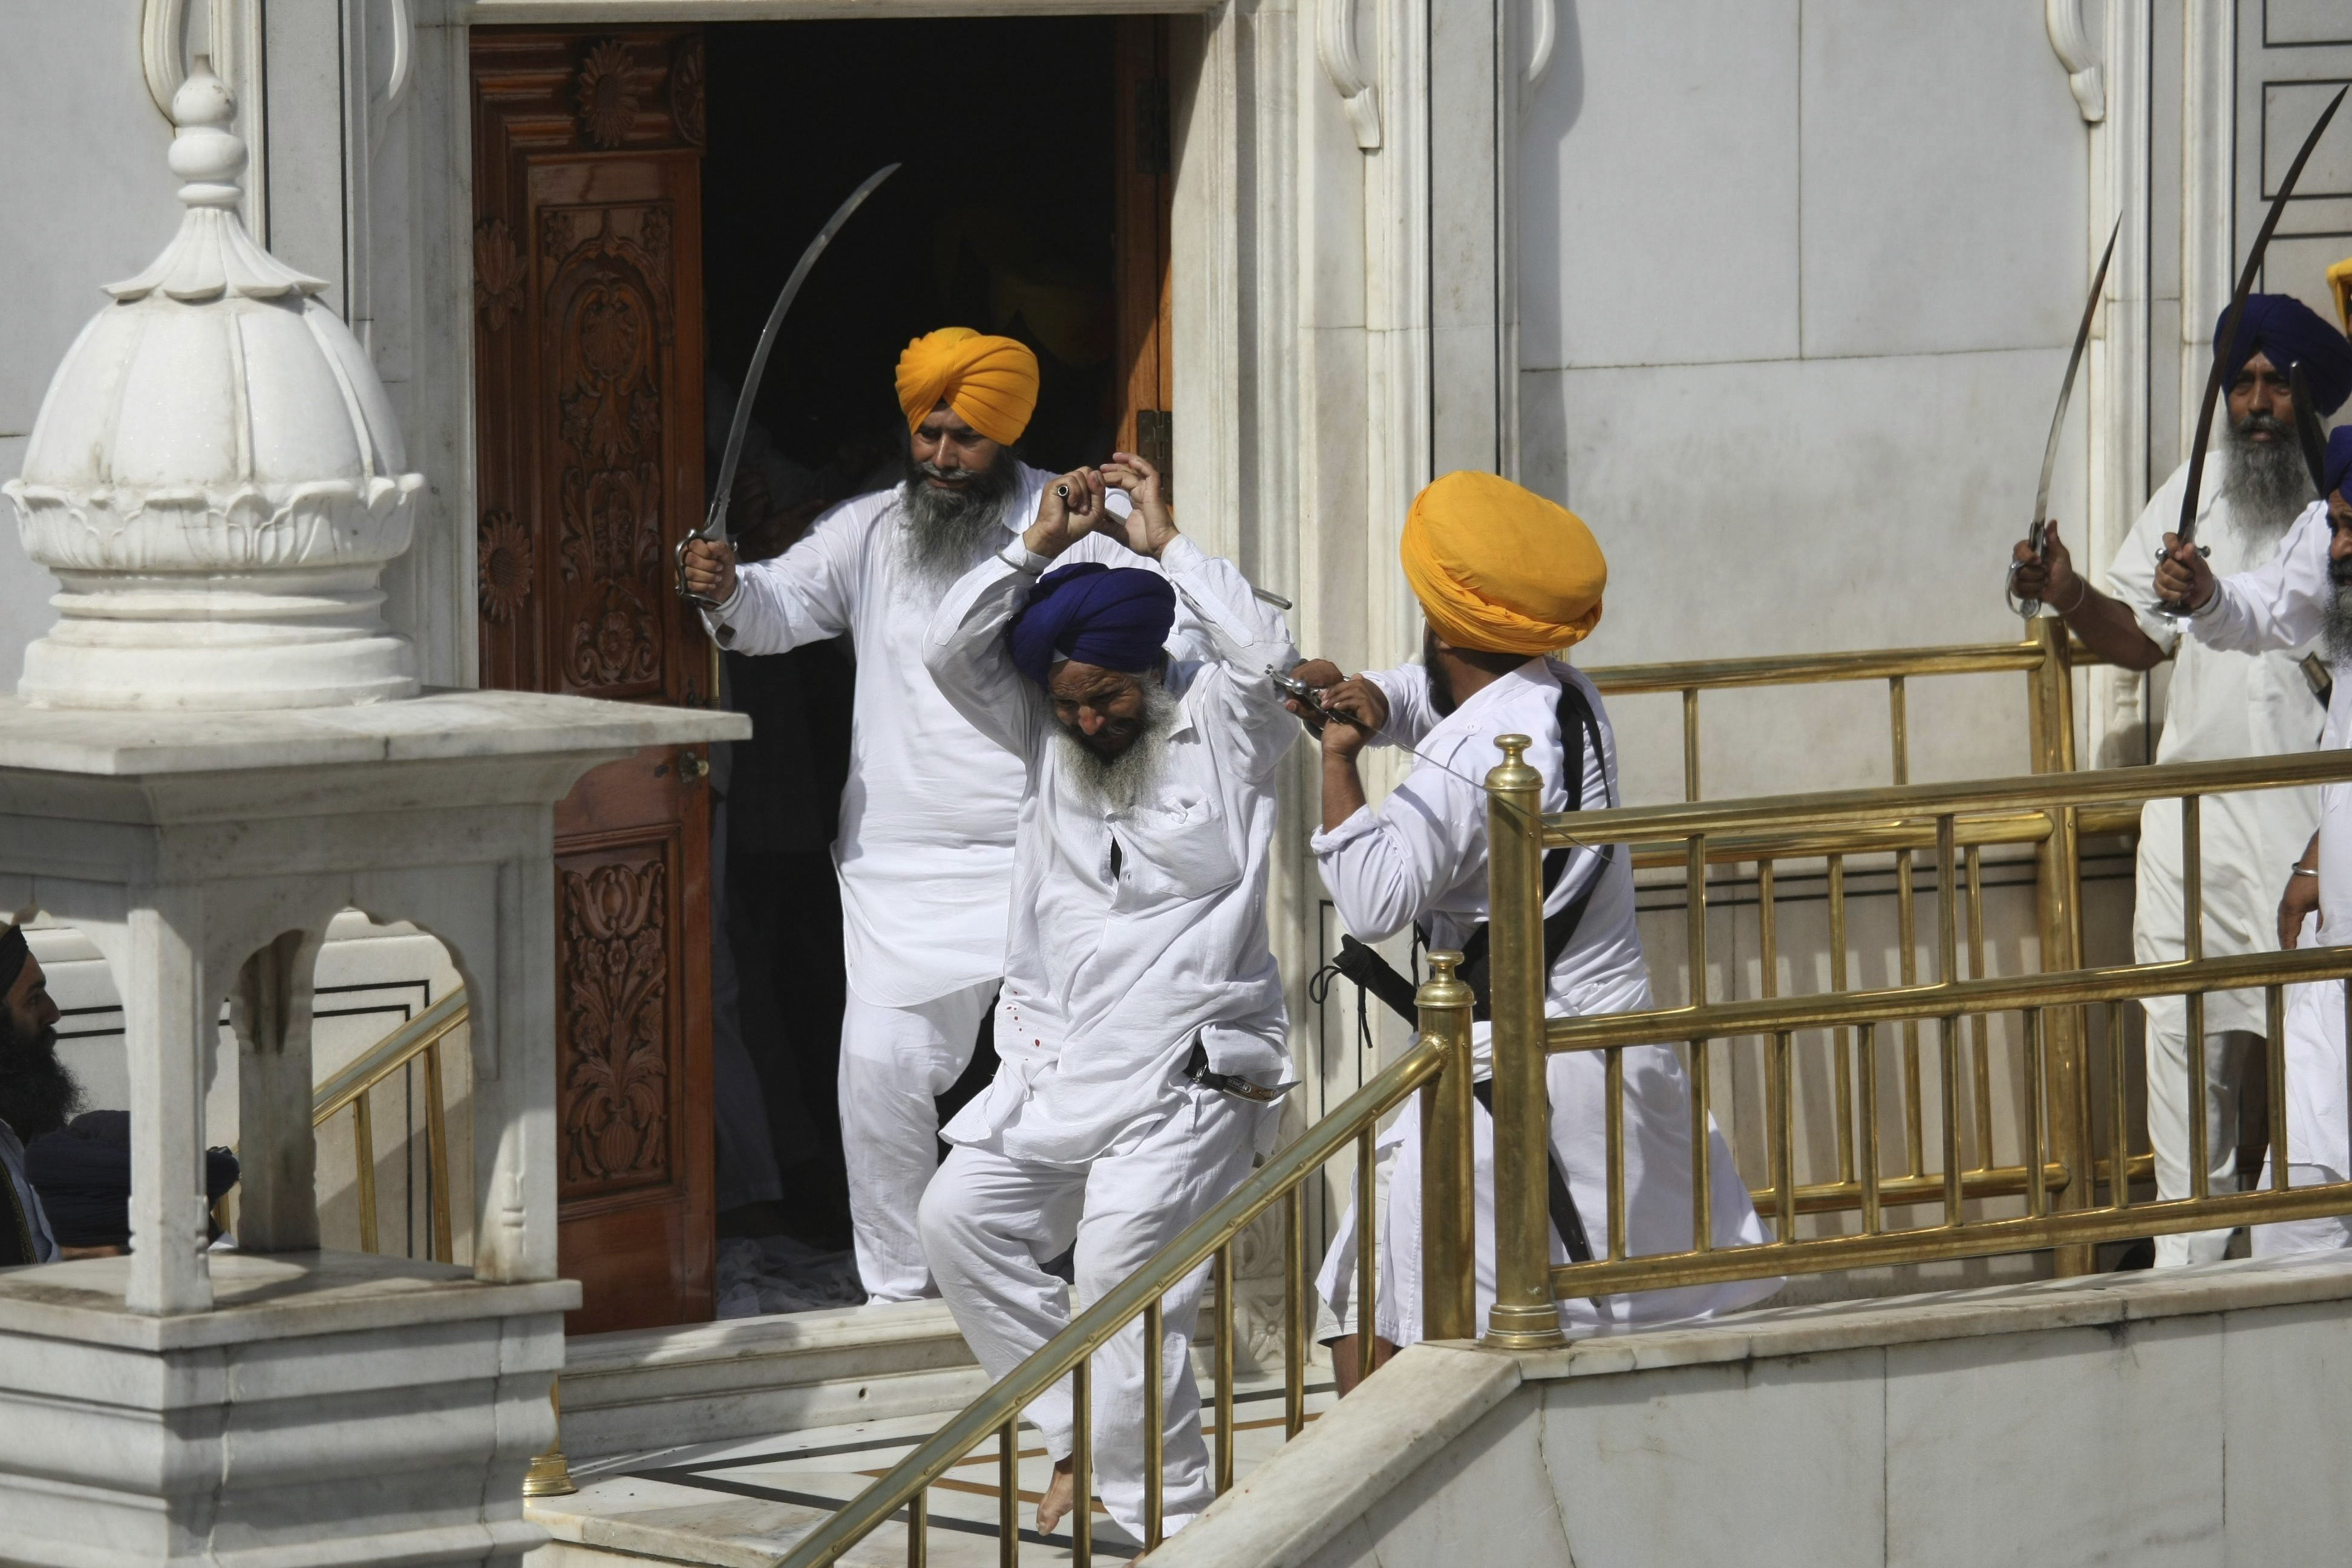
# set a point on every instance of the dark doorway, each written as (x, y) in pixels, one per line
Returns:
(1015, 212)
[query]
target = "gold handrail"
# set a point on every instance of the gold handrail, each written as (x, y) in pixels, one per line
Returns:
(422, 1036)
(2061, 1212)
(1438, 1065)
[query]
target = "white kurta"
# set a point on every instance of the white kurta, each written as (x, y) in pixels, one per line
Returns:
(1421, 857)
(2221, 704)
(925, 850)
(1112, 976)
(2284, 603)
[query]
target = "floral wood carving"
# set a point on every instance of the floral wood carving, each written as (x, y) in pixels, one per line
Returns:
(616, 1055)
(503, 569)
(498, 273)
(608, 109)
(606, 313)
(686, 89)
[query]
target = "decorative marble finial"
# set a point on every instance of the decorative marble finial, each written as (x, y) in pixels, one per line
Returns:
(212, 255)
(205, 152)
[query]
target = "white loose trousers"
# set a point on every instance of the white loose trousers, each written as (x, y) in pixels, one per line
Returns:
(895, 1064)
(990, 1224)
(2167, 1129)
(2219, 703)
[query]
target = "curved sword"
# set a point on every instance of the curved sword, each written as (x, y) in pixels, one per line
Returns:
(2225, 342)
(2309, 433)
(714, 526)
(2029, 608)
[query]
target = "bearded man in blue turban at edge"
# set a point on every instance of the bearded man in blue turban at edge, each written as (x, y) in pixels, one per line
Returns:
(1141, 1027)
(2221, 703)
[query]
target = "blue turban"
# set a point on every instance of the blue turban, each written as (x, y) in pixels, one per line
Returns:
(2285, 329)
(2338, 468)
(1116, 619)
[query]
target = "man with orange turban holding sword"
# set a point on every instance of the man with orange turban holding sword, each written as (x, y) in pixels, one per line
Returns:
(925, 848)
(1507, 581)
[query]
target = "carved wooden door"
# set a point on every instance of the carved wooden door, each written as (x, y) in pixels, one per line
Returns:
(1143, 182)
(588, 386)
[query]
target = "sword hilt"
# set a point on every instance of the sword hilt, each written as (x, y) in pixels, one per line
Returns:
(2027, 607)
(2169, 608)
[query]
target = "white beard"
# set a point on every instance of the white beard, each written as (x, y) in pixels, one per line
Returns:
(1116, 783)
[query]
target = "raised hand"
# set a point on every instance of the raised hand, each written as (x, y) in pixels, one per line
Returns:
(707, 569)
(1150, 526)
(1071, 508)
(2050, 579)
(2182, 577)
(1363, 709)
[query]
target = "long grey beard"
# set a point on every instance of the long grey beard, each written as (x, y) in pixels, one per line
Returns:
(947, 531)
(2268, 484)
(1116, 783)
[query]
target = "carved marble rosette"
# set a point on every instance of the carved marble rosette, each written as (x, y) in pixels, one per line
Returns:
(217, 477)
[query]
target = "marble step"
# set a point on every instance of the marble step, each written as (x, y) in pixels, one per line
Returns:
(743, 1378)
(747, 1503)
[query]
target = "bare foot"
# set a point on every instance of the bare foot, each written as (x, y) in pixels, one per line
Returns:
(1060, 1493)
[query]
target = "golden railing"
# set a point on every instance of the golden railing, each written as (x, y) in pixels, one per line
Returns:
(2046, 659)
(349, 1089)
(2059, 1169)
(1438, 1069)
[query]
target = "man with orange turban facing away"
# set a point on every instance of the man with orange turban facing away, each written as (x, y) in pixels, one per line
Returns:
(925, 847)
(1508, 582)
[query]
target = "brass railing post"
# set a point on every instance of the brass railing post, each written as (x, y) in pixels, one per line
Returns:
(1449, 1285)
(1525, 1316)
(2058, 880)
(551, 1474)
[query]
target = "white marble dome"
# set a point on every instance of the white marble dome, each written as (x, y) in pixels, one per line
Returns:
(215, 477)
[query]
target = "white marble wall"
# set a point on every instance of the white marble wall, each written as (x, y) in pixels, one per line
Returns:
(75, 225)
(1797, 282)
(2179, 1418)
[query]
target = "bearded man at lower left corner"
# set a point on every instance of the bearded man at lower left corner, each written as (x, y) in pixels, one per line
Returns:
(38, 1095)
(1141, 1029)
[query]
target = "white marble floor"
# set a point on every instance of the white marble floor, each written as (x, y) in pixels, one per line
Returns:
(746, 1504)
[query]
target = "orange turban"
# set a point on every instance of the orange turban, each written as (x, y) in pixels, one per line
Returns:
(1498, 569)
(990, 383)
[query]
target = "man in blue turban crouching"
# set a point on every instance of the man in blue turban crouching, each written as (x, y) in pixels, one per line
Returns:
(1141, 1030)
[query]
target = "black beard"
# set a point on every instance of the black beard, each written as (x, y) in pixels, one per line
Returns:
(1440, 686)
(37, 1094)
(2268, 483)
(948, 529)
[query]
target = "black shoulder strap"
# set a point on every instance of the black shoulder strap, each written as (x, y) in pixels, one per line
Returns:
(1577, 724)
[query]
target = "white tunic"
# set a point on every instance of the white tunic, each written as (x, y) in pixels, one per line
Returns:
(1111, 976)
(2221, 704)
(925, 850)
(2284, 603)
(1422, 858)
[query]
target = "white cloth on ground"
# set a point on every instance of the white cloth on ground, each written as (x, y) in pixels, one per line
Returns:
(925, 850)
(1116, 964)
(991, 1223)
(12, 1162)
(2218, 704)
(895, 1063)
(1421, 857)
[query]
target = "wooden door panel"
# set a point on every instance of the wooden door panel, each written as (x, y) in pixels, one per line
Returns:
(1143, 185)
(588, 378)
